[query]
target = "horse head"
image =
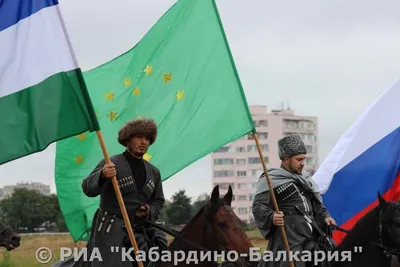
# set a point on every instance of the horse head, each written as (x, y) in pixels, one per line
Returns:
(224, 227)
(8, 238)
(389, 228)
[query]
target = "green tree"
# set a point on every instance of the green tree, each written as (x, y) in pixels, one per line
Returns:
(28, 209)
(163, 217)
(24, 209)
(200, 202)
(180, 210)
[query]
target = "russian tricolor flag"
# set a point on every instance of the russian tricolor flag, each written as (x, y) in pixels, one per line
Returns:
(364, 161)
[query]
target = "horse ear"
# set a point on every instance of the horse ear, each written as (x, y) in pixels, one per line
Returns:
(228, 195)
(215, 194)
(382, 202)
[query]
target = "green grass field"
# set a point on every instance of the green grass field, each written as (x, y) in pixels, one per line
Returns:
(25, 255)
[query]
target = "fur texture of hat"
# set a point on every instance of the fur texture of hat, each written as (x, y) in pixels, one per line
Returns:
(290, 146)
(138, 127)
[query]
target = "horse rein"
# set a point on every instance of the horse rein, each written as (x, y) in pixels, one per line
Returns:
(387, 251)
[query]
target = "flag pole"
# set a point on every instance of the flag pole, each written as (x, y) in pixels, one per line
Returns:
(119, 197)
(272, 194)
(96, 125)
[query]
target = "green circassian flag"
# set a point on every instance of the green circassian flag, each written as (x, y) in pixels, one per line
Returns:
(182, 75)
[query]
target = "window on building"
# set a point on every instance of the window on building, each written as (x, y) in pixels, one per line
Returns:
(309, 137)
(250, 137)
(243, 186)
(251, 197)
(262, 123)
(310, 161)
(262, 136)
(256, 172)
(240, 161)
(241, 149)
(242, 210)
(241, 173)
(252, 148)
(242, 197)
(223, 161)
(291, 124)
(223, 149)
(264, 148)
(309, 149)
(224, 173)
(225, 185)
(254, 160)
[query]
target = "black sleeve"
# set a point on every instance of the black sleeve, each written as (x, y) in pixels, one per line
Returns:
(93, 184)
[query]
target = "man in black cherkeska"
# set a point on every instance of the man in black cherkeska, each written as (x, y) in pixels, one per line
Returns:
(141, 189)
(293, 187)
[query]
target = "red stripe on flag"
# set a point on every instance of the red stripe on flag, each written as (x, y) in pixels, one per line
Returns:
(393, 194)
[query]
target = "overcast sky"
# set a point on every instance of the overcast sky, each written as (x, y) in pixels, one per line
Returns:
(328, 59)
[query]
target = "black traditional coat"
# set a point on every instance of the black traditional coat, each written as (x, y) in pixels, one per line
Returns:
(290, 190)
(108, 225)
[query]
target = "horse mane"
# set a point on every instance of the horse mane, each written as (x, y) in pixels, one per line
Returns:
(363, 230)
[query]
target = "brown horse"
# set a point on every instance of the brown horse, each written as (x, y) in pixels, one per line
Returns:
(214, 230)
(8, 238)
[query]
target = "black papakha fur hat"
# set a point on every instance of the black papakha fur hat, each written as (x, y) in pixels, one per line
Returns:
(290, 146)
(139, 127)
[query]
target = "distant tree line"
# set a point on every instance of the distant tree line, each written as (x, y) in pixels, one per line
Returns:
(27, 210)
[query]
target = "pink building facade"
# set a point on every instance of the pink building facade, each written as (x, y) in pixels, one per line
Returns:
(238, 163)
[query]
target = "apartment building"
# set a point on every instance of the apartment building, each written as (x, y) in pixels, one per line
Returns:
(238, 163)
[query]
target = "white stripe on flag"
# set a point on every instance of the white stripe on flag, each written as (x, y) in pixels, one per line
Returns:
(376, 122)
(33, 50)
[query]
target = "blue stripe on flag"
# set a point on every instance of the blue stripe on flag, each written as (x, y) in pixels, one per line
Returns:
(356, 185)
(12, 11)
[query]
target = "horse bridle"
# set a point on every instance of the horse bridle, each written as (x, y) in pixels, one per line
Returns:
(208, 229)
(387, 251)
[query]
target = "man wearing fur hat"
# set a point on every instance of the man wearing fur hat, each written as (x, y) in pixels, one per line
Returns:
(293, 187)
(141, 188)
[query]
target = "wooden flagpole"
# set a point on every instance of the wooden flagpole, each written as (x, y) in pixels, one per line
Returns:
(120, 199)
(272, 194)
(101, 140)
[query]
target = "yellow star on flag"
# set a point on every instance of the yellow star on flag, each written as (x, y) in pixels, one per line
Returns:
(139, 116)
(167, 77)
(179, 95)
(148, 70)
(112, 115)
(147, 157)
(109, 96)
(127, 82)
(81, 136)
(136, 92)
(78, 159)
